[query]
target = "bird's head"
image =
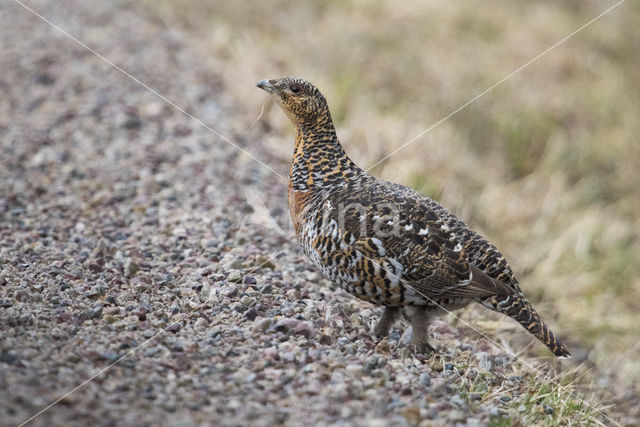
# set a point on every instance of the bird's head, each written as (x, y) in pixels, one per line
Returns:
(301, 101)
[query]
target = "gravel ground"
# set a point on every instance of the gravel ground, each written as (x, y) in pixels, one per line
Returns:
(126, 231)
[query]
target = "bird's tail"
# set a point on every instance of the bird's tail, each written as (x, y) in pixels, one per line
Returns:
(518, 308)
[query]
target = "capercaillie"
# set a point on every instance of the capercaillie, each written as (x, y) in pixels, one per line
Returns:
(386, 243)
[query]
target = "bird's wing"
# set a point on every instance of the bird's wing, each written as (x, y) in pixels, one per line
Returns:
(438, 274)
(411, 238)
(454, 279)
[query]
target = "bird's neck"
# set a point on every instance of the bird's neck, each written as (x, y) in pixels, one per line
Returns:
(319, 159)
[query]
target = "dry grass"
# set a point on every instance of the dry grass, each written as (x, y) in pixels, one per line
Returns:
(547, 165)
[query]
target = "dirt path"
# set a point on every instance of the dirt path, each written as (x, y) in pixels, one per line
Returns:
(125, 230)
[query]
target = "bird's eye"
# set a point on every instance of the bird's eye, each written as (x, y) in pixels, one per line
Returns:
(295, 88)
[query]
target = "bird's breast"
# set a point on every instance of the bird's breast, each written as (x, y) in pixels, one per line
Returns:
(298, 200)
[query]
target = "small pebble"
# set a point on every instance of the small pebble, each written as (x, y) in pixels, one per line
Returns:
(234, 276)
(109, 318)
(140, 314)
(94, 312)
(405, 353)
(8, 358)
(262, 324)
(230, 291)
(293, 294)
(158, 323)
(173, 328)
(152, 351)
(285, 325)
(305, 329)
(247, 301)
(251, 314)
(372, 363)
(425, 379)
(265, 289)
(249, 280)
(383, 347)
(139, 289)
(201, 323)
(130, 268)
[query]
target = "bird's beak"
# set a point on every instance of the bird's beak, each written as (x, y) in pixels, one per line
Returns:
(267, 86)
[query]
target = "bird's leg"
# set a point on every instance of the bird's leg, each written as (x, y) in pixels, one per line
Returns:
(386, 321)
(420, 318)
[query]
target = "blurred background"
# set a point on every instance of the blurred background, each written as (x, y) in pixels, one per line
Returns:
(546, 165)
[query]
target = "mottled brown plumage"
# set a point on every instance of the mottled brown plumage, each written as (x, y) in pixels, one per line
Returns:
(386, 243)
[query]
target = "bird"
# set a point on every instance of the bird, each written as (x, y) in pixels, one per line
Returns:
(386, 243)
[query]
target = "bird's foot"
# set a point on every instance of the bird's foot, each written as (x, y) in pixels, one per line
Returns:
(422, 347)
(386, 321)
(382, 329)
